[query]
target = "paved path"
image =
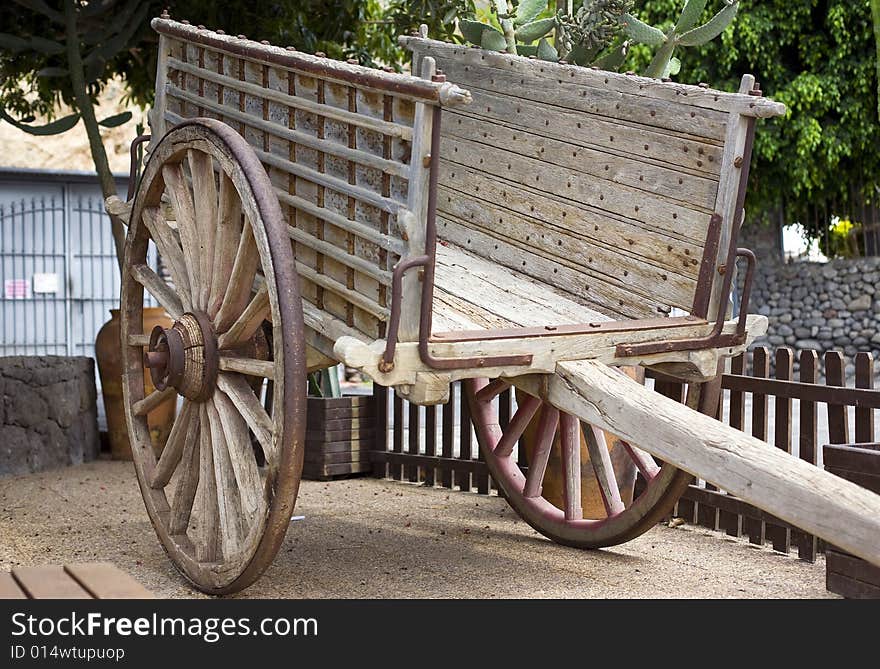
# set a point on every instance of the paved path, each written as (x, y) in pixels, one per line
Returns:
(371, 538)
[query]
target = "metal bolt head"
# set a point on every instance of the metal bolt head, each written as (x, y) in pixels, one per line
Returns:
(185, 22)
(320, 54)
(703, 84)
(264, 41)
(220, 32)
(738, 161)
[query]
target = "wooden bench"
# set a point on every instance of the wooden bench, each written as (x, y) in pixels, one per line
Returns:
(92, 580)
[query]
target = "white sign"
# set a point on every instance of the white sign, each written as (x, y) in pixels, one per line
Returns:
(46, 283)
(16, 289)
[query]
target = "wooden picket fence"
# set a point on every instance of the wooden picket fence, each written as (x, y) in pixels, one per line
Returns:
(436, 445)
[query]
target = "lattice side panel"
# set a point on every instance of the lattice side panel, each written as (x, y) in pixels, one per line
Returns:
(339, 175)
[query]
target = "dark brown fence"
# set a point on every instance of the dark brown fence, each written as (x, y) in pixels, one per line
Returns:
(436, 445)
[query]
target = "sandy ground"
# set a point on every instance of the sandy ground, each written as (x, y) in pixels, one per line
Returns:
(367, 538)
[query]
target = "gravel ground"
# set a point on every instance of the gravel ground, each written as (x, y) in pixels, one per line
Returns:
(367, 538)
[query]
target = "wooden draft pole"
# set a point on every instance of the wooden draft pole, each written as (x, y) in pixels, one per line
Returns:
(816, 501)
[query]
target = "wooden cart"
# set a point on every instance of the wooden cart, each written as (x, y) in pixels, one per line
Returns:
(560, 223)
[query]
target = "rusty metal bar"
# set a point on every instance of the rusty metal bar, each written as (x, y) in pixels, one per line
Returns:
(135, 163)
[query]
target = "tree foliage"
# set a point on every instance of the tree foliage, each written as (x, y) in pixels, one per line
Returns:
(819, 58)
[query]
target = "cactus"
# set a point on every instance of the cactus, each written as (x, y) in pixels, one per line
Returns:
(684, 33)
(520, 27)
(594, 26)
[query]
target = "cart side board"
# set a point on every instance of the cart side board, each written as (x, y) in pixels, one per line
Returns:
(346, 148)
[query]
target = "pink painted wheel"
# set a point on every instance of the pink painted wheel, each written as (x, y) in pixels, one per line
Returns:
(580, 454)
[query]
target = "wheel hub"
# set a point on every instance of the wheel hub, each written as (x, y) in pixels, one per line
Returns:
(184, 356)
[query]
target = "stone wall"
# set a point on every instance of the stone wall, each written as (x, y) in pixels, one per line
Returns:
(821, 306)
(48, 413)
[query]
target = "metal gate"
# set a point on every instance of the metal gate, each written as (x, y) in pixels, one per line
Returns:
(57, 263)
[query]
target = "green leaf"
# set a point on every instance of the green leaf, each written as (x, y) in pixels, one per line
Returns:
(493, 40)
(583, 56)
(53, 128)
(673, 67)
(53, 72)
(612, 60)
(528, 10)
(535, 30)
(12, 42)
(711, 29)
(472, 31)
(46, 46)
(690, 15)
(116, 120)
(450, 15)
(546, 51)
(641, 32)
(527, 49)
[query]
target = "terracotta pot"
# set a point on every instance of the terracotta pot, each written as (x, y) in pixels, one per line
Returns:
(109, 357)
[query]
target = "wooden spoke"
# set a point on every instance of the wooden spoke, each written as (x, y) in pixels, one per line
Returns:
(207, 517)
(201, 169)
(151, 401)
(543, 444)
(184, 430)
(644, 462)
(241, 281)
(601, 461)
(241, 453)
(249, 366)
(229, 229)
(181, 201)
(187, 482)
(242, 395)
(492, 390)
(518, 423)
(571, 466)
(170, 251)
(138, 340)
(231, 523)
(247, 323)
(158, 289)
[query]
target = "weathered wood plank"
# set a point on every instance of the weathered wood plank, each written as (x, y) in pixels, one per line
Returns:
(618, 199)
(594, 98)
(107, 581)
(605, 135)
(574, 74)
(663, 246)
(598, 262)
(605, 297)
(49, 582)
(576, 154)
(9, 588)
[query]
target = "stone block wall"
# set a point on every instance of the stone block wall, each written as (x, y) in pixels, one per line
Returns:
(48, 413)
(831, 306)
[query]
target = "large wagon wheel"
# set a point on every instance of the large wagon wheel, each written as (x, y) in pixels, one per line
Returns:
(208, 205)
(563, 520)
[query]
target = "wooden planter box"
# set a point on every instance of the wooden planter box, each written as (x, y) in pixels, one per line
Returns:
(340, 432)
(846, 574)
